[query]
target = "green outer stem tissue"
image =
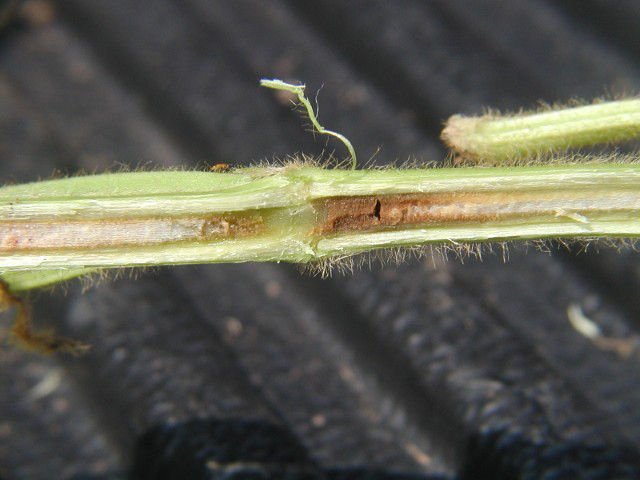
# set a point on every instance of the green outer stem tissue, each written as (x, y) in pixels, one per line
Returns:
(495, 138)
(58, 229)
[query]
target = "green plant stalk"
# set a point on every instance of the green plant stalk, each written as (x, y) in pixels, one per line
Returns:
(58, 229)
(494, 138)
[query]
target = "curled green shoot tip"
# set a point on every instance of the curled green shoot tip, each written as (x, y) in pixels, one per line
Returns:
(298, 90)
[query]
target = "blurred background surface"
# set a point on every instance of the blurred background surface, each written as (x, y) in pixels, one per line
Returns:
(425, 370)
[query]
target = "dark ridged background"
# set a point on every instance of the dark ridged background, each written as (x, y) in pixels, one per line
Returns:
(423, 370)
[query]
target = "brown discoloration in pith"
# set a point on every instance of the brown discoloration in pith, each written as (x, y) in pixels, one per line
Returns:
(10, 242)
(345, 214)
(60, 234)
(229, 226)
(349, 213)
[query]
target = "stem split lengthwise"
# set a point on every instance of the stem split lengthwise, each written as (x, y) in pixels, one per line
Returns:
(59, 229)
(56, 230)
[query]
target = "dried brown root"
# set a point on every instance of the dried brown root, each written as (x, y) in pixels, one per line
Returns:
(23, 334)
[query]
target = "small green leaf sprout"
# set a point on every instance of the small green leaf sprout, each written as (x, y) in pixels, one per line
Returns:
(298, 90)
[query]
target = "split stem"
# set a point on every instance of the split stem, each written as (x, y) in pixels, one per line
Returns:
(54, 230)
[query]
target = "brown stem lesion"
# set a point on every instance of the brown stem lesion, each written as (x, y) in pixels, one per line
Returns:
(24, 335)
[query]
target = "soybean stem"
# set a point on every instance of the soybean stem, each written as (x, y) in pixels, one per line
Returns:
(57, 229)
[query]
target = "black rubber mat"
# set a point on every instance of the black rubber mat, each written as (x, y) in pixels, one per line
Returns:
(427, 369)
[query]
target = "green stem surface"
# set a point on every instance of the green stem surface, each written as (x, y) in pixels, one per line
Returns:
(494, 138)
(58, 229)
